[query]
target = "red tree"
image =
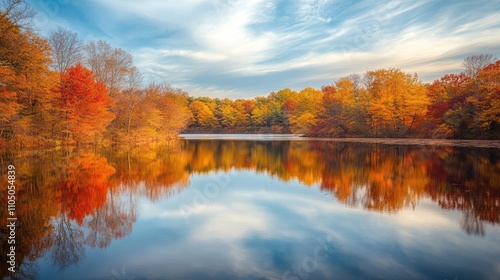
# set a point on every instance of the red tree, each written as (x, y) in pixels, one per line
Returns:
(85, 104)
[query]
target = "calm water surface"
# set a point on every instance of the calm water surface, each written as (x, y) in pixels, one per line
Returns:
(256, 208)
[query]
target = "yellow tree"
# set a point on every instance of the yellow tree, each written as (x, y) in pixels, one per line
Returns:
(146, 119)
(9, 108)
(175, 113)
(202, 115)
(244, 112)
(340, 108)
(308, 110)
(24, 59)
(397, 99)
(259, 116)
(280, 109)
(489, 81)
(127, 103)
(169, 112)
(229, 115)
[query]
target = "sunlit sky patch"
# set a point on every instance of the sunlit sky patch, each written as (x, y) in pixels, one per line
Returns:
(247, 48)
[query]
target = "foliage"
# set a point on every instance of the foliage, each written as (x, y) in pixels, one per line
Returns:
(396, 99)
(84, 104)
(94, 93)
(27, 116)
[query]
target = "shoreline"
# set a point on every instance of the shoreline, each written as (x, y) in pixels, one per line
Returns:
(386, 141)
(471, 143)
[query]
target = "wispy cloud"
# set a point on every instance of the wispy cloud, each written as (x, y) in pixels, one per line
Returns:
(248, 48)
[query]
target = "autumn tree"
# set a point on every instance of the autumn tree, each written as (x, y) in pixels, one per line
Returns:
(397, 99)
(66, 49)
(24, 57)
(489, 102)
(281, 109)
(447, 87)
(163, 112)
(260, 115)
(202, 115)
(345, 105)
(244, 110)
(15, 14)
(229, 118)
(445, 113)
(84, 103)
(327, 126)
(174, 110)
(126, 104)
(156, 112)
(308, 110)
(9, 108)
(110, 65)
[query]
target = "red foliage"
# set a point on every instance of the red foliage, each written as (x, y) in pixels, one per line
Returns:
(289, 105)
(85, 103)
(329, 89)
(449, 86)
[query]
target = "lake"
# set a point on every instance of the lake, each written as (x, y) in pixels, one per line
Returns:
(257, 207)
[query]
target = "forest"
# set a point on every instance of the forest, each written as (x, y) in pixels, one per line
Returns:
(61, 90)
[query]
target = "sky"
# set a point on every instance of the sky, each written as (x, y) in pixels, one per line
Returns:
(248, 48)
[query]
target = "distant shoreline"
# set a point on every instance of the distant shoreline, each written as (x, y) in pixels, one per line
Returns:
(385, 141)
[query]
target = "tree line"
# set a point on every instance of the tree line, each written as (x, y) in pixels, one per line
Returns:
(62, 90)
(381, 103)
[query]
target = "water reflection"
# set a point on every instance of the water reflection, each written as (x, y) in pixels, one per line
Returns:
(70, 201)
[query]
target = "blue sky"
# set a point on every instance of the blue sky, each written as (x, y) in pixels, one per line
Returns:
(248, 48)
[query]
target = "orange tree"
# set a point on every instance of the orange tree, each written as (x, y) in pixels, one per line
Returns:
(84, 104)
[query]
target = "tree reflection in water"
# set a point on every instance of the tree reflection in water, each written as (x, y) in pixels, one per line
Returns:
(70, 200)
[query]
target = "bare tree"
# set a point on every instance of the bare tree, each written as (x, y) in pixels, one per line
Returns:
(96, 54)
(134, 79)
(66, 48)
(132, 95)
(474, 63)
(111, 66)
(16, 12)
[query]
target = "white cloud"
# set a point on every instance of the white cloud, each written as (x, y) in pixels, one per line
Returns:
(228, 34)
(317, 40)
